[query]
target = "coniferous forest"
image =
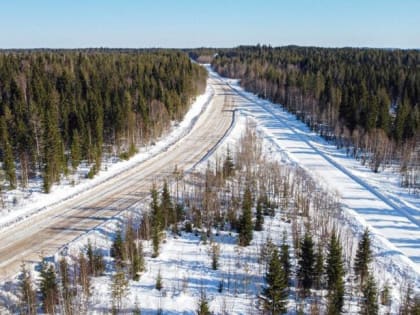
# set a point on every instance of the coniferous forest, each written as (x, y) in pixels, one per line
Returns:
(59, 107)
(368, 100)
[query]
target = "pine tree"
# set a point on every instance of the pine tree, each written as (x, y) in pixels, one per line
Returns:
(203, 305)
(363, 257)
(75, 150)
(137, 265)
(285, 260)
(370, 297)
(28, 294)
(66, 291)
(306, 264)
(228, 165)
(8, 160)
(215, 254)
(48, 288)
(137, 310)
(166, 207)
(246, 226)
(335, 275)
(159, 284)
(259, 216)
(117, 249)
(157, 222)
(319, 269)
(275, 293)
(119, 289)
(83, 275)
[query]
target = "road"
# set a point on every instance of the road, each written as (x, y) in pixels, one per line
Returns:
(44, 233)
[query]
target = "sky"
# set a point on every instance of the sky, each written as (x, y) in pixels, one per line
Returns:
(216, 23)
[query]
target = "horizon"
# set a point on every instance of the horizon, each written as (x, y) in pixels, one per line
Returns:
(190, 24)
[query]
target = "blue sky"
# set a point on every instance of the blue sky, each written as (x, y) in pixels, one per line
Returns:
(217, 23)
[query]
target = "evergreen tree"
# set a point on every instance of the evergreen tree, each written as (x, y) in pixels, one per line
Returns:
(75, 150)
(117, 250)
(306, 263)
(8, 163)
(285, 260)
(48, 288)
(119, 289)
(335, 275)
(246, 227)
(215, 254)
(370, 297)
(157, 222)
(136, 310)
(319, 269)
(259, 215)
(166, 207)
(137, 265)
(275, 293)
(66, 292)
(83, 274)
(159, 284)
(228, 165)
(203, 305)
(28, 294)
(363, 257)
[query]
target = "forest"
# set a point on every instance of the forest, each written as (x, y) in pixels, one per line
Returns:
(367, 100)
(268, 231)
(61, 107)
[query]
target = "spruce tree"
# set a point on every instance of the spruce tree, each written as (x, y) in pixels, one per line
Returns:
(370, 297)
(319, 269)
(306, 264)
(167, 207)
(159, 283)
(285, 259)
(8, 160)
(259, 217)
(119, 289)
(28, 294)
(203, 305)
(246, 227)
(275, 294)
(363, 257)
(228, 165)
(117, 250)
(75, 150)
(48, 288)
(335, 275)
(137, 264)
(157, 221)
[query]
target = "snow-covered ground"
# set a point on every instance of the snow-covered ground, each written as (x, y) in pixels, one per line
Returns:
(369, 199)
(21, 203)
(373, 200)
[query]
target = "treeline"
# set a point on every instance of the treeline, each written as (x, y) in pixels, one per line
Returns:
(365, 98)
(58, 108)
